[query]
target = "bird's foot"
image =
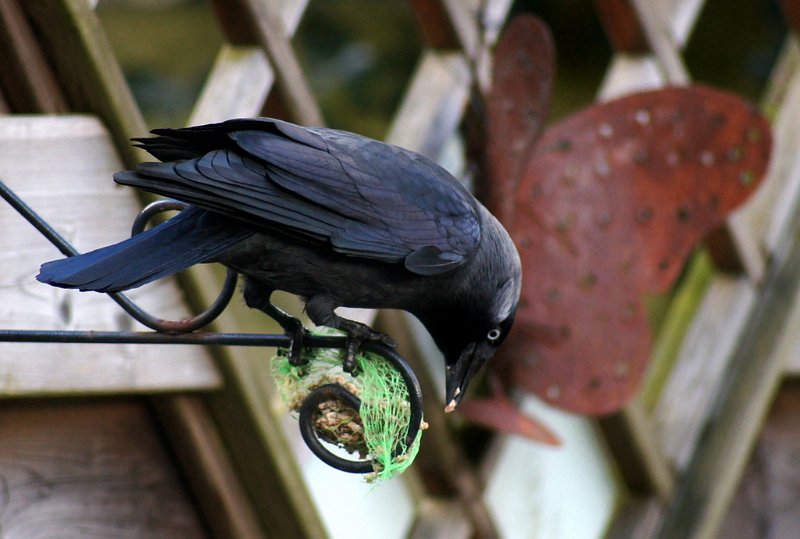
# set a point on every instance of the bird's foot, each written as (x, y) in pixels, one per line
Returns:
(258, 297)
(298, 334)
(294, 328)
(357, 334)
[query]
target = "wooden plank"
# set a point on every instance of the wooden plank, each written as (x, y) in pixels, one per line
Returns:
(661, 43)
(242, 76)
(87, 70)
(469, 27)
(62, 166)
(466, 22)
(774, 202)
(238, 85)
(629, 73)
(630, 437)
(433, 104)
(190, 430)
(437, 519)
(669, 23)
(95, 468)
(683, 15)
(27, 79)
(696, 378)
(638, 518)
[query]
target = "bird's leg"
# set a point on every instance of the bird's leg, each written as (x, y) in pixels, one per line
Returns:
(257, 296)
(321, 311)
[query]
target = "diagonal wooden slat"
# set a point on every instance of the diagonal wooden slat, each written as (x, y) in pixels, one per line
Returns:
(87, 70)
(661, 42)
(754, 373)
(25, 67)
(434, 103)
(291, 82)
(228, 512)
(242, 76)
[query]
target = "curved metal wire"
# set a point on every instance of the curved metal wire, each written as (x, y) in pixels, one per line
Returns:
(184, 332)
(189, 324)
(150, 321)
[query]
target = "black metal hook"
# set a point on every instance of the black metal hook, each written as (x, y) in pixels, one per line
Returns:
(184, 332)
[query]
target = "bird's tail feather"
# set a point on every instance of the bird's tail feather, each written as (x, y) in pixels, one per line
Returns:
(191, 237)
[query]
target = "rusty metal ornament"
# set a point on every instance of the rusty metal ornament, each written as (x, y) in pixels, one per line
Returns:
(524, 69)
(607, 206)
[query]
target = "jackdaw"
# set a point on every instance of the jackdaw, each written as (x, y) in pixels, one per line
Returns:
(333, 217)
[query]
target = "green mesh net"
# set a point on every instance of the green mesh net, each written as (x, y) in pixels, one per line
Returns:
(379, 426)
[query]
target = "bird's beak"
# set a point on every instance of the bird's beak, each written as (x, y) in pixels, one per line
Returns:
(459, 374)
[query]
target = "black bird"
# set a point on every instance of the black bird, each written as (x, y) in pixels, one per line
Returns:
(333, 217)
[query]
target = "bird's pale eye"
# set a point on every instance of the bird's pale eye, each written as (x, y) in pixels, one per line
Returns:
(493, 335)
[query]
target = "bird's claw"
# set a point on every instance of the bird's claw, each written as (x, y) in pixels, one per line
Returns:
(296, 347)
(350, 365)
(384, 339)
(357, 334)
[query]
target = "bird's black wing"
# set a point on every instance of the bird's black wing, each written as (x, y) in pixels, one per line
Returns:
(366, 198)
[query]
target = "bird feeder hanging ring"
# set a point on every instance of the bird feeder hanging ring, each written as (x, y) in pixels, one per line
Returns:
(310, 410)
(308, 414)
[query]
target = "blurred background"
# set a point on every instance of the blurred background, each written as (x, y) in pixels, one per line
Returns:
(359, 57)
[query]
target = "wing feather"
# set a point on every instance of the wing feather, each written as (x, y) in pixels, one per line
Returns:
(368, 199)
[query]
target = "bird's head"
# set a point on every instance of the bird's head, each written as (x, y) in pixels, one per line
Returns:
(461, 366)
(477, 318)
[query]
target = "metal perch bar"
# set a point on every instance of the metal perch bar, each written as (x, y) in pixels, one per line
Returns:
(183, 332)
